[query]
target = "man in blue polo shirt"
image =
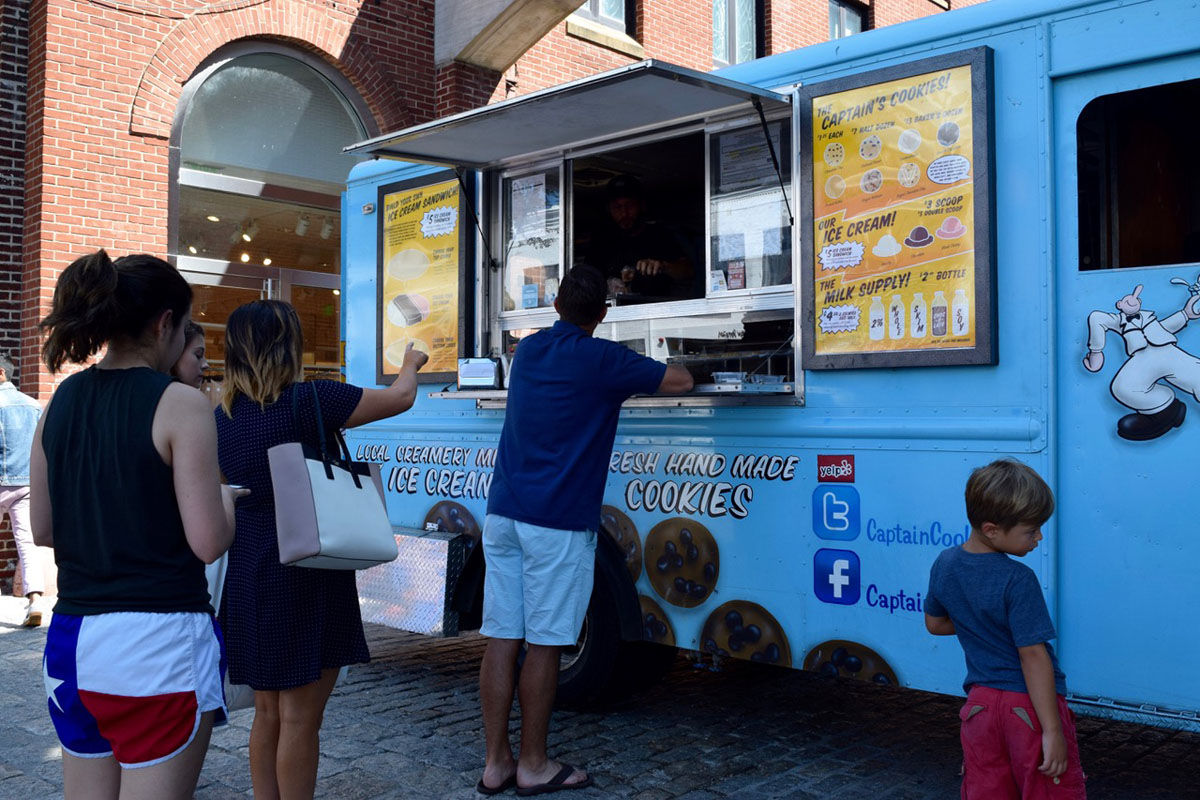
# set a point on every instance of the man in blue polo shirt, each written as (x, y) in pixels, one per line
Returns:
(539, 539)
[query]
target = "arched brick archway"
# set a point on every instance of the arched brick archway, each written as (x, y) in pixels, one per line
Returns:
(326, 33)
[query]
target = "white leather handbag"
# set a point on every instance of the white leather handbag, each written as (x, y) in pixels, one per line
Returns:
(329, 510)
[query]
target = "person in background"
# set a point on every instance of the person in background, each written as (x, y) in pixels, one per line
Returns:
(287, 629)
(190, 367)
(645, 259)
(124, 487)
(1018, 735)
(19, 415)
(539, 537)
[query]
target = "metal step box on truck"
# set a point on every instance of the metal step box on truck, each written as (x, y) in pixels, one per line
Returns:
(911, 252)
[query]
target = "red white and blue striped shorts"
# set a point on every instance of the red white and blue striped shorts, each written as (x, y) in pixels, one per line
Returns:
(132, 685)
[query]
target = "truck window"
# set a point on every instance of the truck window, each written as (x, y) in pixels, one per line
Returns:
(1139, 204)
(532, 240)
(639, 219)
(694, 235)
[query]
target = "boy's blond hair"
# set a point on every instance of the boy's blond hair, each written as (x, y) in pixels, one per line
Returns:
(1007, 493)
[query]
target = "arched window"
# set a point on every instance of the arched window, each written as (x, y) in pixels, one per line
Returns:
(259, 169)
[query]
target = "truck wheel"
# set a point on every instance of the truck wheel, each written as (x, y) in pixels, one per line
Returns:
(601, 667)
(587, 669)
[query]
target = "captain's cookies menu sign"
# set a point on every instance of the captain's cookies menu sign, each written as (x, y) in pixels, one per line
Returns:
(420, 248)
(897, 216)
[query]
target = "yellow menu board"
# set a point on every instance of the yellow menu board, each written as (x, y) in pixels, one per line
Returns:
(419, 276)
(892, 242)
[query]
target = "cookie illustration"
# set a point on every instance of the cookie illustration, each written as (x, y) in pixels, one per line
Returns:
(841, 658)
(394, 352)
(741, 629)
(947, 134)
(408, 264)
(908, 174)
(909, 141)
(835, 153)
(870, 147)
(871, 182)
(918, 237)
(621, 528)
(681, 561)
(655, 625)
(834, 187)
(453, 518)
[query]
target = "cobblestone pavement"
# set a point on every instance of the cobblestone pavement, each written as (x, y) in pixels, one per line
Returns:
(407, 726)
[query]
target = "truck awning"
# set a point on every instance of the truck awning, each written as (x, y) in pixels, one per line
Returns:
(633, 98)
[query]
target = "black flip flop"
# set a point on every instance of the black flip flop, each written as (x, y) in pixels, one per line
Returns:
(509, 783)
(555, 784)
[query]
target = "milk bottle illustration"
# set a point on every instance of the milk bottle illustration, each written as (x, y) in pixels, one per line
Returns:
(918, 321)
(896, 318)
(938, 314)
(960, 322)
(876, 319)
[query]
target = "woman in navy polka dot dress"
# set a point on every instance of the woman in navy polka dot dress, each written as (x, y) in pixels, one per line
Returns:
(287, 629)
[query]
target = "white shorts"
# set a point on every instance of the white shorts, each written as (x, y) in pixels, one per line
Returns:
(538, 581)
(132, 685)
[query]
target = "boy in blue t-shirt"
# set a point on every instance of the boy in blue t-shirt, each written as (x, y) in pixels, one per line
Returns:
(1018, 736)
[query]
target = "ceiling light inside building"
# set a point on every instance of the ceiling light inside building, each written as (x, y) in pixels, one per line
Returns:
(266, 262)
(302, 225)
(245, 257)
(192, 249)
(250, 231)
(327, 228)
(213, 218)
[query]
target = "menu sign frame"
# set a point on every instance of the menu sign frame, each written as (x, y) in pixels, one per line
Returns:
(896, 216)
(422, 258)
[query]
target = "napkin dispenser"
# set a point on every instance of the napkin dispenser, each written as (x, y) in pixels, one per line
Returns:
(478, 373)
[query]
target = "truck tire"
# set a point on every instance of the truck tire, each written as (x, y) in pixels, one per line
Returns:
(587, 669)
(601, 667)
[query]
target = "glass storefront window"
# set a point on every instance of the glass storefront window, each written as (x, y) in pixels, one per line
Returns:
(249, 230)
(532, 233)
(269, 117)
(319, 311)
(257, 211)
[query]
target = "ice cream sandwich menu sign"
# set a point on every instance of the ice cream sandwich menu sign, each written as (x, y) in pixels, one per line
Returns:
(896, 272)
(419, 275)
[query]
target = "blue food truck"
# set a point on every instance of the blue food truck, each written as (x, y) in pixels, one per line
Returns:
(900, 256)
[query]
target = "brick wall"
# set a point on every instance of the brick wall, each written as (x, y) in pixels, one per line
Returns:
(14, 60)
(104, 89)
(680, 32)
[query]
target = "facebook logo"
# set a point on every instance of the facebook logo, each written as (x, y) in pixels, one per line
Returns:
(836, 577)
(835, 511)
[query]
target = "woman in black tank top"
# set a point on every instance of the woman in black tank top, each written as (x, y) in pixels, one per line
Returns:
(124, 485)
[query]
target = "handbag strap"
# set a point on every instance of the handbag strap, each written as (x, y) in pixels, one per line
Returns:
(341, 455)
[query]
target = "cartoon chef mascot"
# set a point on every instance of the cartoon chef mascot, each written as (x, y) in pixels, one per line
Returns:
(1150, 344)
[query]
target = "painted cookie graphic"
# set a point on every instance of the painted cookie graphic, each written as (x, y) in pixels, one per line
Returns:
(681, 561)
(841, 658)
(621, 528)
(453, 518)
(741, 629)
(656, 627)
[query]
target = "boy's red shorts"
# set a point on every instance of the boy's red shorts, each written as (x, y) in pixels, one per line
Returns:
(1002, 749)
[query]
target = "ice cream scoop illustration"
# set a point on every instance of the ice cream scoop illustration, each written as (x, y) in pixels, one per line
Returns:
(886, 247)
(918, 237)
(951, 228)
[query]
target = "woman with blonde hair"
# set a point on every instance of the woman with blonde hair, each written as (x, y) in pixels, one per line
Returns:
(124, 486)
(287, 629)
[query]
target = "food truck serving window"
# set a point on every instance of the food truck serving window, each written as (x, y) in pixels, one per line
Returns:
(675, 184)
(691, 231)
